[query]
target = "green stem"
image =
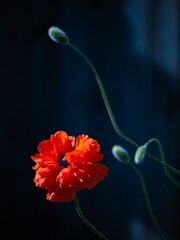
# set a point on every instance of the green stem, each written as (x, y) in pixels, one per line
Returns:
(147, 199)
(163, 164)
(103, 93)
(110, 113)
(172, 179)
(86, 222)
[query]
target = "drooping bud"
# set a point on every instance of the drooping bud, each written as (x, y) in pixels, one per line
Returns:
(58, 35)
(120, 154)
(140, 154)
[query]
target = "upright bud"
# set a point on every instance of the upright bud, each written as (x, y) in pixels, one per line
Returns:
(140, 154)
(58, 35)
(120, 154)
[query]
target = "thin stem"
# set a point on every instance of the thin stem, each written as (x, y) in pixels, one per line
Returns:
(173, 180)
(110, 113)
(147, 199)
(163, 163)
(104, 96)
(86, 222)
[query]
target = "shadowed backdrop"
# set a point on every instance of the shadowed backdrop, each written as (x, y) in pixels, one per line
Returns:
(46, 87)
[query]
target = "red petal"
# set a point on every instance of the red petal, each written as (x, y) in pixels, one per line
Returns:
(92, 174)
(47, 150)
(68, 179)
(63, 143)
(56, 194)
(83, 170)
(44, 179)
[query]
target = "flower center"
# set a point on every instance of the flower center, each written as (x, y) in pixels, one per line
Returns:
(63, 162)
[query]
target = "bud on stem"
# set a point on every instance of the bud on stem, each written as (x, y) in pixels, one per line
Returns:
(120, 154)
(140, 154)
(58, 35)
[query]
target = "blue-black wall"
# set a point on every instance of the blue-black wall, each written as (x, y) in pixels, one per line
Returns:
(134, 46)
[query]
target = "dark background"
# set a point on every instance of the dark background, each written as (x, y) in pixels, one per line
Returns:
(134, 46)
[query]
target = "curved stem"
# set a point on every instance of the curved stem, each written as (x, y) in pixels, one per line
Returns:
(147, 199)
(87, 223)
(110, 113)
(106, 102)
(163, 164)
(173, 180)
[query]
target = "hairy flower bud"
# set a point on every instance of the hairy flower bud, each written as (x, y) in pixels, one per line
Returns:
(140, 154)
(120, 154)
(58, 35)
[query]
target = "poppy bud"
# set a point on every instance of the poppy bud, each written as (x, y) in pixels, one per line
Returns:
(140, 154)
(58, 35)
(120, 154)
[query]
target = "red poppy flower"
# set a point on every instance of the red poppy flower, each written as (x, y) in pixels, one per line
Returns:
(65, 166)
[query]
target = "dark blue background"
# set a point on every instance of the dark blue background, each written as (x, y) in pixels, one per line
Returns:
(134, 46)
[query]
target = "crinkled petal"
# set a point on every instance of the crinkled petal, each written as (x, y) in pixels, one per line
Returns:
(91, 174)
(56, 194)
(62, 142)
(88, 148)
(81, 171)
(47, 150)
(98, 175)
(57, 145)
(45, 162)
(85, 176)
(68, 179)
(44, 179)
